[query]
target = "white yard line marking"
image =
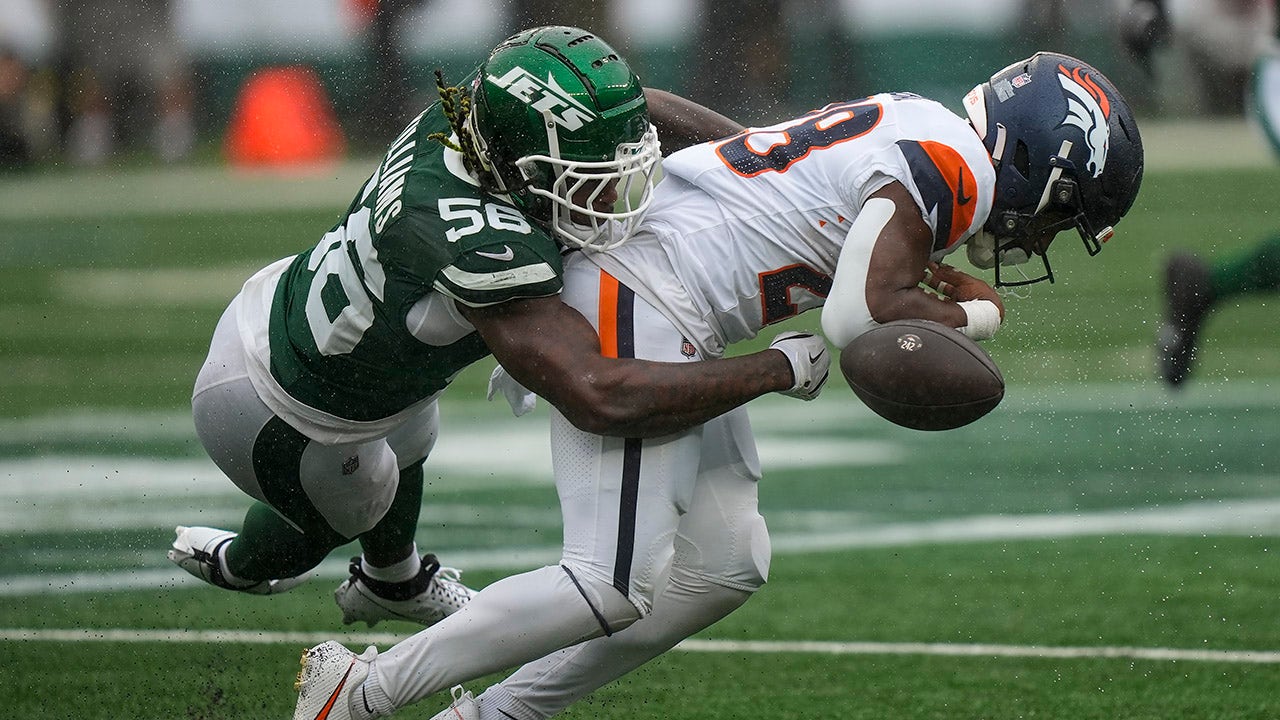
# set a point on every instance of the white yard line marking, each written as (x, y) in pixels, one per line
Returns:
(150, 286)
(72, 492)
(263, 637)
(769, 415)
(1257, 518)
(961, 650)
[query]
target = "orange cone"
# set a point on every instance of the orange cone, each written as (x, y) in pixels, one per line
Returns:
(282, 117)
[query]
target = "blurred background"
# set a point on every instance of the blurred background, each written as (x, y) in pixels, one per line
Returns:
(154, 154)
(93, 82)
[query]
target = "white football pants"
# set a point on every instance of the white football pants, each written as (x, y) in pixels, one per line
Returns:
(636, 513)
(351, 485)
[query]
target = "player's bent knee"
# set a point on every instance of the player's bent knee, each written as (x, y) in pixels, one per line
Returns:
(351, 487)
(612, 608)
(755, 573)
(747, 568)
(742, 564)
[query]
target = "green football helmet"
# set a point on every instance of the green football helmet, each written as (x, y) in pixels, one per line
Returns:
(558, 120)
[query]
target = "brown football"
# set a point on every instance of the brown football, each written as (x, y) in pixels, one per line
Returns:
(922, 375)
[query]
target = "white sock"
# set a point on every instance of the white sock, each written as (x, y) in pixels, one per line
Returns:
(406, 569)
(370, 697)
(231, 579)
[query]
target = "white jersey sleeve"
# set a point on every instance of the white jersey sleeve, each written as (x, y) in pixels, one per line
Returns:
(746, 231)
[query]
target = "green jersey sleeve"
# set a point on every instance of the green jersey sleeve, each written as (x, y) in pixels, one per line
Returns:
(499, 272)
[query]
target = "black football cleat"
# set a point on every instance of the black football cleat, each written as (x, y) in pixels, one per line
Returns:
(1188, 297)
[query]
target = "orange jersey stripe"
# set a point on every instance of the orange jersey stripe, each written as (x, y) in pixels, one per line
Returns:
(608, 315)
(964, 187)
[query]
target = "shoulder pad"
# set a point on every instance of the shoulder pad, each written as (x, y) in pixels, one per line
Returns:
(497, 272)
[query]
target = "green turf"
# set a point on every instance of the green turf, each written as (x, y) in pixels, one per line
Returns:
(1188, 593)
(1143, 591)
(70, 338)
(226, 683)
(104, 319)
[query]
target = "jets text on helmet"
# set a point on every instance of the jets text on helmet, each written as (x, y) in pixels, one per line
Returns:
(545, 97)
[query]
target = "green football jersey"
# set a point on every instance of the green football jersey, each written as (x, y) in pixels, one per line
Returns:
(340, 341)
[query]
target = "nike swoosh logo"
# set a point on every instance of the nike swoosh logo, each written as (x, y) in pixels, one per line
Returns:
(814, 358)
(960, 196)
(328, 706)
(508, 254)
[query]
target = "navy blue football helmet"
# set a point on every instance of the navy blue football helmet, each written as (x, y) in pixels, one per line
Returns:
(1067, 154)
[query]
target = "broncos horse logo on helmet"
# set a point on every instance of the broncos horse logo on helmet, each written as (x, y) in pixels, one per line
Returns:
(1067, 154)
(557, 120)
(1088, 109)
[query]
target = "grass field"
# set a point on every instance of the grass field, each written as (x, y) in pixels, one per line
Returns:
(1097, 547)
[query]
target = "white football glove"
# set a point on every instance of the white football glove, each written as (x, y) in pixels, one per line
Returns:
(517, 395)
(810, 362)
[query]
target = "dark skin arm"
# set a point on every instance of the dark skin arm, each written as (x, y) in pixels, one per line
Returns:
(552, 350)
(900, 262)
(682, 123)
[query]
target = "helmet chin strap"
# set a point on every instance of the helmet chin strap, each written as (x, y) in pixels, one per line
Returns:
(553, 151)
(997, 149)
(553, 136)
(553, 144)
(1063, 152)
(1055, 174)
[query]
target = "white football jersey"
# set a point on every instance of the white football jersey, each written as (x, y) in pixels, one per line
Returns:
(746, 231)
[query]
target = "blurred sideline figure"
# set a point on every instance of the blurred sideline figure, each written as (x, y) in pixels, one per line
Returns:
(388, 97)
(15, 145)
(1192, 285)
(126, 81)
(319, 395)
(756, 49)
(850, 208)
(579, 13)
(750, 45)
(1221, 40)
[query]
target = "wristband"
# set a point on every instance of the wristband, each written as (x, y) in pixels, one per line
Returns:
(984, 319)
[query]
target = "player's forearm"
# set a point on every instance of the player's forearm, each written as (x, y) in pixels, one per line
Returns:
(653, 399)
(682, 122)
(916, 304)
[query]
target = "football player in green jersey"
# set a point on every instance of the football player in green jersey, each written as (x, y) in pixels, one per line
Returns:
(1195, 283)
(318, 398)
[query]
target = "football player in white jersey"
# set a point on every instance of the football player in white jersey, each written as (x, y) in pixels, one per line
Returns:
(849, 207)
(318, 398)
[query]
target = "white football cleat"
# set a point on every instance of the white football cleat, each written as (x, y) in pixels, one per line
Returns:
(427, 599)
(464, 707)
(198, 551)
(328, 680)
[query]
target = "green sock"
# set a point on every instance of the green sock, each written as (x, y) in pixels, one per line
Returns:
(391, 539)
(1254, 269)
(268, 548)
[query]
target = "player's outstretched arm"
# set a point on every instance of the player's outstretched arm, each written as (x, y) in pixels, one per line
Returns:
(682, 122)
(553, 351)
